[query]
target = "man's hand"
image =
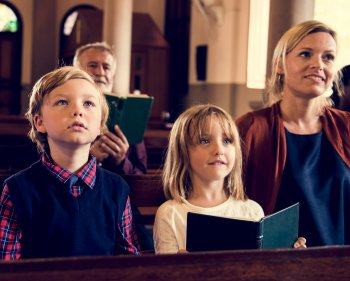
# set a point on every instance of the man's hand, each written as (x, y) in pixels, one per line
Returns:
(111, 145)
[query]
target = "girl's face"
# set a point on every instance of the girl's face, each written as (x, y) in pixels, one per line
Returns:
(212, 157)
(309, 67)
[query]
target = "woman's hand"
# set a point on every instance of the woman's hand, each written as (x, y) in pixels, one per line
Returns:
(300, 243)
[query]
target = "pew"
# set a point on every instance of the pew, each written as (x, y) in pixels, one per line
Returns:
(17, 151)
(145, 190)
(313, 264)
(13, 125)
(146, 194)
(156, 142)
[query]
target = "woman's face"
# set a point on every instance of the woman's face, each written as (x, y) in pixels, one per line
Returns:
(310, 66)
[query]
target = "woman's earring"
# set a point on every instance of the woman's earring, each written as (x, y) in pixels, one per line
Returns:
(280, 78)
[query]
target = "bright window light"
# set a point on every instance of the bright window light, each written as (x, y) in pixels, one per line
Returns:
(8, 19)
(257, 44)
(336, 15)
(69, 23)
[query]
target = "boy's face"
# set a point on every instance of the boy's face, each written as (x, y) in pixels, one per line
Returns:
(71, 115)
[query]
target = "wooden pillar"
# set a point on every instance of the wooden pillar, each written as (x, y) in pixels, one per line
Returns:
(117, 28)
(44, 48)
(283, 15)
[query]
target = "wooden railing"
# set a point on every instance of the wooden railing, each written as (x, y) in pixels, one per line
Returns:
(156, 142)
(314, 264)
(16, 150)
(145, 190)
(146, 194)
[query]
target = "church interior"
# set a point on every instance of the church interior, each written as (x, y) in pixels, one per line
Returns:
(182, 53)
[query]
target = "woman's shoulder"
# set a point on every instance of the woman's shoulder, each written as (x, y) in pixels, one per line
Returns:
(262, 117)
(335, 119)
(340, 116)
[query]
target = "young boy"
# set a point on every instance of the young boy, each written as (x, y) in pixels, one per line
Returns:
(64, 204)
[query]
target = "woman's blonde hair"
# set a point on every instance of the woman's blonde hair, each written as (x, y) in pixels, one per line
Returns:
(290, 39)
(187, 132)
(44, 86)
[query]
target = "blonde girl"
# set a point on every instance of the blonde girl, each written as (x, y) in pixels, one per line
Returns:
(202, 174)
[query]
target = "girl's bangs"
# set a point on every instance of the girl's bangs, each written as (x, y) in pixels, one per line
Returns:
(200, 125)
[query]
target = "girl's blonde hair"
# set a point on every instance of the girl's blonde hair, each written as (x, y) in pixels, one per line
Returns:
(187, 132)
(290, 39)
(44, 86)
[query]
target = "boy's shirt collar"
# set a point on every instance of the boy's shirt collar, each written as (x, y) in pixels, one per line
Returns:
(87, 173)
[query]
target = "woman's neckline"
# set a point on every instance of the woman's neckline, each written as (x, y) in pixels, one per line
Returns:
(306, 134)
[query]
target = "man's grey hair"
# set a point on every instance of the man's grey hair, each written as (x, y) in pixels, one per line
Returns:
(102, 46)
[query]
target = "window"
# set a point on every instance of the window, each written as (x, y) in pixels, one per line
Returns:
(69, 23)
(257, 43)
(8, 19)
(335, 13)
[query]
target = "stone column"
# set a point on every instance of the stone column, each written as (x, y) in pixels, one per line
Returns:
(283, 15)
(43, 38)
(117, 29)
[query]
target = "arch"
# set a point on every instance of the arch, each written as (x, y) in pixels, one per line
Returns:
(78, 35)
(10, 67)
(15, 11)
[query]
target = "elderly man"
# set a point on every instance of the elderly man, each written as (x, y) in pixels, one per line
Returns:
(112, 149)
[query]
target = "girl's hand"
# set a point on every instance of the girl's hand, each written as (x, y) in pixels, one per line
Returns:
(300, 243)
(182, 251)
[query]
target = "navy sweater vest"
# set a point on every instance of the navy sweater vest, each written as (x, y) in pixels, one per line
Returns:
(55, 224)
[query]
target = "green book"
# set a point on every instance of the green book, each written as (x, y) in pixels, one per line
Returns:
(130, 113)
(212, 233)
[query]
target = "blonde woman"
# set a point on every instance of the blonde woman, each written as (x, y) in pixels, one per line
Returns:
(298, 148)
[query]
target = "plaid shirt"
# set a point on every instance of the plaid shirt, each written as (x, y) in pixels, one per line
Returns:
(11, 234)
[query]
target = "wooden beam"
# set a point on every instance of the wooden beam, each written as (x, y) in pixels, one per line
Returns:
(326, 263)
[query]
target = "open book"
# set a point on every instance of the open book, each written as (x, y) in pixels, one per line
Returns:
(131, 113)
(211, 233)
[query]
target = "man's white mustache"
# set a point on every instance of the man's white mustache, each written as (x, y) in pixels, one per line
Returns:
(100, 80)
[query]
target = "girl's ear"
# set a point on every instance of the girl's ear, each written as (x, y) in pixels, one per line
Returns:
(39, 123)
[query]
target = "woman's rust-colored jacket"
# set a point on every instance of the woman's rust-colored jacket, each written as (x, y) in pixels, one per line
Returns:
(265, 151)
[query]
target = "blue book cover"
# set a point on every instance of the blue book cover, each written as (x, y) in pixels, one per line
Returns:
(212, 233)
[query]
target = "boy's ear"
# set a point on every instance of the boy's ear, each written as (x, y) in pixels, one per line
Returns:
(39, 123)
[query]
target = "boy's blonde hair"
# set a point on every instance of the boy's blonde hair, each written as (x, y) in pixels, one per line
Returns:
(44, 86)
(187, 132)
(290, 39)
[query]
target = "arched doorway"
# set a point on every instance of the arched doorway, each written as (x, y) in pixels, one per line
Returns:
(80, 25)
(11, 58)
(149, 55)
